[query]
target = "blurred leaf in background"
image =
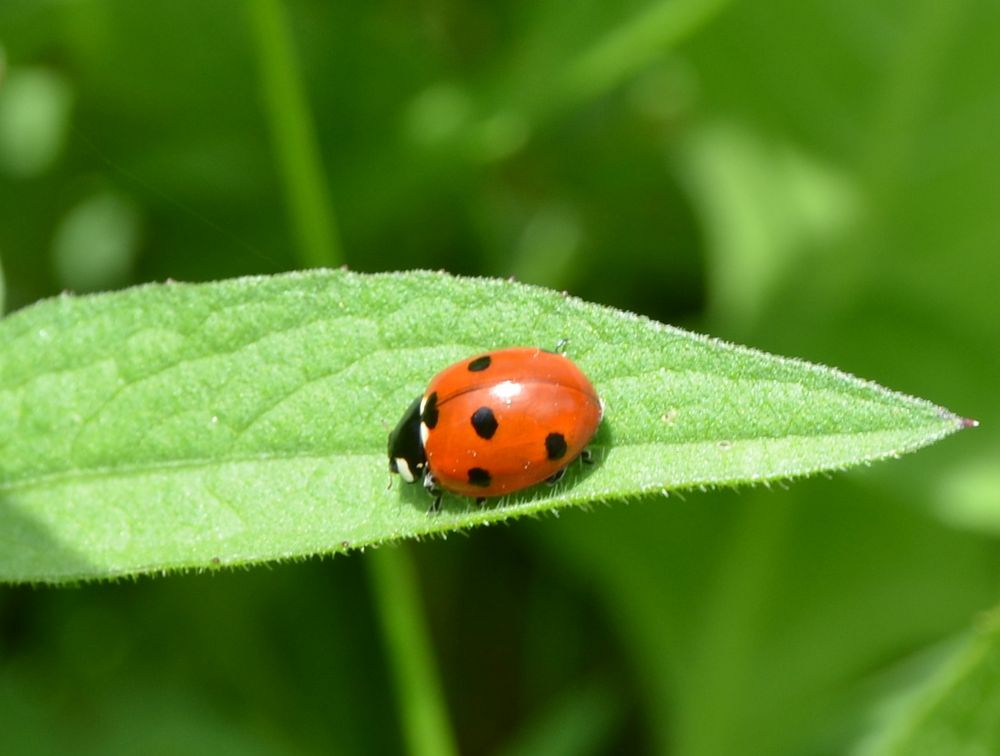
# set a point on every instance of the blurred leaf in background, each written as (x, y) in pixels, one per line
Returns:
(34, 119)
(814, 179)
(96, 243)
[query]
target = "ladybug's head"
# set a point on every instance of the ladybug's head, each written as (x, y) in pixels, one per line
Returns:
(406, 448)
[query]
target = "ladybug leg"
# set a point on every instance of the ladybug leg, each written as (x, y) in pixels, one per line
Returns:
(480, 500)
(431, 484)
(432, 487)
(587, 457)
(561, 346)
(555, 477)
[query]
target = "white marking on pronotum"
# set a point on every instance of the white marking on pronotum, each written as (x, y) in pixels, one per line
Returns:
(425, 433)
(404, 469)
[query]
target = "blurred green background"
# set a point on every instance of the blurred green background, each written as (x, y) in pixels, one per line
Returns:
(819, 180)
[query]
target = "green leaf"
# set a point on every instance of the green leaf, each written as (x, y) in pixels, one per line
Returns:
(177, 426)
(956, 711)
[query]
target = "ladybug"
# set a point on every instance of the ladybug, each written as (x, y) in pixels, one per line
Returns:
(496, 423)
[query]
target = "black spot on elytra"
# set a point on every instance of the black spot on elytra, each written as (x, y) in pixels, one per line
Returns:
(484, 423)
(480, 363)
(429, 416)
(479, 477)
(555, 445)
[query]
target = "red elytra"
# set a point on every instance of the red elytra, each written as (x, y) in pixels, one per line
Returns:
(497, 423)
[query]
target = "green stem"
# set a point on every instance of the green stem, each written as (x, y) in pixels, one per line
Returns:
(425, 717)
(294, 137)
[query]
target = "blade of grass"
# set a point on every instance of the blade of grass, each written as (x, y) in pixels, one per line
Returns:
(634, 44)
(730, 628)
(426, 728)
(424, 715)
(955, 712)
(918, 70)
(294, 137)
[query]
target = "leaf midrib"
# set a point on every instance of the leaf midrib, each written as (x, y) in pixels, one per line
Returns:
(166, 466)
